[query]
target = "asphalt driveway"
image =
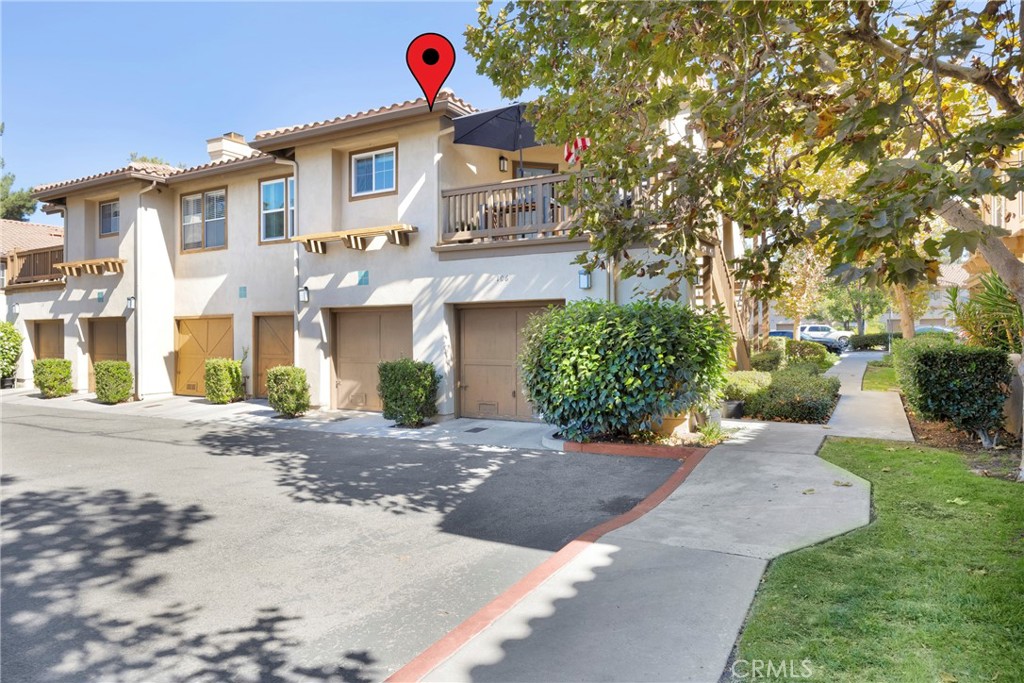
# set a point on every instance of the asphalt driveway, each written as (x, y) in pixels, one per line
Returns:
(140, 549)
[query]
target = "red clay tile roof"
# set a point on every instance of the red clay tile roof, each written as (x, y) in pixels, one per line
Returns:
(22, 236)
(443, 96)
(134, 168)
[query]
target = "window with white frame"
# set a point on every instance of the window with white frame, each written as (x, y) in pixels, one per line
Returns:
(110, 218)
(204, 220)
(374, 172)
(277, 209)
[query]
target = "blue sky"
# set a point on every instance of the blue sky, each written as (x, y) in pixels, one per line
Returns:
(86, 84)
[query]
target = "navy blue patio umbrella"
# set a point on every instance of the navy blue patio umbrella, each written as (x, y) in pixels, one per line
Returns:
(502, 128)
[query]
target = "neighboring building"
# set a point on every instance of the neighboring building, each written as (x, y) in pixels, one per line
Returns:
(1004, 213)
(950, 276)
(331, 245)
(28, 251)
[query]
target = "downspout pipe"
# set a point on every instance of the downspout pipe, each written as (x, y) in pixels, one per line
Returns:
(137, 311)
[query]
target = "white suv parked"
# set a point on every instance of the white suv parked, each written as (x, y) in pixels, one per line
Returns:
(835, 340)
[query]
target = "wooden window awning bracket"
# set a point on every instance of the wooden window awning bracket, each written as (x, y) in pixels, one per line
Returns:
(358, 238)
(97, 266)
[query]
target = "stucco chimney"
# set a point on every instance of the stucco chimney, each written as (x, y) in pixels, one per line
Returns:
(228, 146)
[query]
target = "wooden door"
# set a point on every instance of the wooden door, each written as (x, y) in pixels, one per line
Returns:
(362, 339)
(107, 341)
(274, 346)
(48, 339)
(196, 340)
(489, 344)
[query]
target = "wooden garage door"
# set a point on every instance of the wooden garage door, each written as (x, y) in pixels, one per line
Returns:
(196, 340)
(274, 346)
(48, 339)
(489, 344)
(107, 341)
(363, 338)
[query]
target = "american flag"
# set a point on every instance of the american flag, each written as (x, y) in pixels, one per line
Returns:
(574, 149)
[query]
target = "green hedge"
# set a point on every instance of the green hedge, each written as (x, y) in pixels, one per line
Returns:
(224, 382)
(10, 349)
(966, 385)
(408, 391)
(596, 368)
(741, 385)
(859, 342)
(113, 381)
(767, 361)
(798, 350)
(52, 376)
(288, 390)
(795, 396)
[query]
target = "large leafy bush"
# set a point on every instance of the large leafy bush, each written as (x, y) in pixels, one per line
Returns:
(767, 361)
(10, 348)
(288, 390)
(596, 368)
(224, 380)
(966, 385)
(795, 395)
(798, 350)
(408, 390)
(880, 340)
(113, 381)
(739, 386)
(52, 376)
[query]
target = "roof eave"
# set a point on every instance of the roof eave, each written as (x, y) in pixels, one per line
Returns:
(61, 191)
(232, 167)
(281, 140)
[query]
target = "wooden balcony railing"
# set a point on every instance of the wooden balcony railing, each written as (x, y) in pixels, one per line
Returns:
(510, 210)
(34, 265)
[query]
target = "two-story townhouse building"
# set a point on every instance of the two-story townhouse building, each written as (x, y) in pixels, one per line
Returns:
(332, 245)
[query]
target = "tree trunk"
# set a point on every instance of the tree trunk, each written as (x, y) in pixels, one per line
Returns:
(906, 312)
(999, 257)
(796, 327)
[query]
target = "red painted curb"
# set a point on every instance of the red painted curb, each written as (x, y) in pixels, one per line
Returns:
(433, 656)
(638, 450)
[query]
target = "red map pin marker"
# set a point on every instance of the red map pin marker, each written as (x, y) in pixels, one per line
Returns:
(430, 57)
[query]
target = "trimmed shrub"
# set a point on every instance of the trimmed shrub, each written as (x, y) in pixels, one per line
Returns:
(808, 367)
(877, 340)
(776, 343)
(408, 391)
(595, 368)
(10, 349)
(741, 385)
(966, 385)
(224, 382)
(52, 376)
(808, 352)
(767, 361)
(795, 396)
(113, 381)
(288, 390)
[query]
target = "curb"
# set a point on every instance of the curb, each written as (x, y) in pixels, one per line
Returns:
(455, 640)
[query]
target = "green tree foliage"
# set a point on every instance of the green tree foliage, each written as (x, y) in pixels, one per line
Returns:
(853, 303)
(147, 159)
(15, 205)
(10, 348)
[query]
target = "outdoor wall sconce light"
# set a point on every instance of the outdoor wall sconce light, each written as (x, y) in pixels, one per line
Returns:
(131, 303)
(303, 295)
(503, 164)
(15, 309)
(584, 279)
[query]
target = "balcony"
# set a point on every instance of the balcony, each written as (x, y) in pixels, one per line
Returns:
(509, 211)
(34, 267)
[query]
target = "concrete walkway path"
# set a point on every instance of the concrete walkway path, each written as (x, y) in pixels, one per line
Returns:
(868, 414)
(664, 597)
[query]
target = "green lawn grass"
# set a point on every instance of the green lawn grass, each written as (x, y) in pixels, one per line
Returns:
(932, 590)
(878, 378)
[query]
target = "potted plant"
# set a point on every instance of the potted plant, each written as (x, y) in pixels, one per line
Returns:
(10, 351)
(740, 386)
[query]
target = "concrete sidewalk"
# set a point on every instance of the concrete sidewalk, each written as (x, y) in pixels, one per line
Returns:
(867, 414)
(664, 598)
(257, 412)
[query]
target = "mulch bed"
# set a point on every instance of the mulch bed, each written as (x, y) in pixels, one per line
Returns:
(1001, 462)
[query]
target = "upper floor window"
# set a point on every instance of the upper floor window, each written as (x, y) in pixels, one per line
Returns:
(110, 219)
(373, 172)
(204, 220)
(277, 209)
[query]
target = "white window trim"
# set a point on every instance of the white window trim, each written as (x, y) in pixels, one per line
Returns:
(371, 155)
(288, 209)
(99, 216)
(203, 222)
